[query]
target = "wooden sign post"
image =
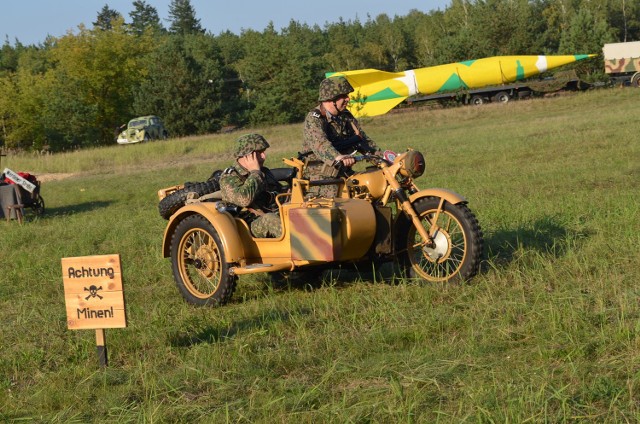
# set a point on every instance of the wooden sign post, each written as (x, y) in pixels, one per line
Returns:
(94, 296)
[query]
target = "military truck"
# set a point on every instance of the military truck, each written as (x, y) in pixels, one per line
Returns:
(622, 62)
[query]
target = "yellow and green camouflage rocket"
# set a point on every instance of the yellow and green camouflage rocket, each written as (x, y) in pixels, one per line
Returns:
(377, 92)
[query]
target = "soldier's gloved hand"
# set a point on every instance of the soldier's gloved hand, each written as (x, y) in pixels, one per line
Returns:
(347, 160)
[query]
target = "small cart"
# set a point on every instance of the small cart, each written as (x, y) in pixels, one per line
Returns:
(33, 199)
(28, 199)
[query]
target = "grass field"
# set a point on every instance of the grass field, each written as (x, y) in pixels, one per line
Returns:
(548, 332)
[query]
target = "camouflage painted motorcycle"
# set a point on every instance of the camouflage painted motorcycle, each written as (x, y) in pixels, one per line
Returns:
(379, 216)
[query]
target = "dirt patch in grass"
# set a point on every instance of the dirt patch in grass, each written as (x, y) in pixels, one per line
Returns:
(55, 176)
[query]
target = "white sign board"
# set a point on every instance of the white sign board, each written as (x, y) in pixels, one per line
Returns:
(22, 182)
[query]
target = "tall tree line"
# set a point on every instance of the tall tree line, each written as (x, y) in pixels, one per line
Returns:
(74, 91)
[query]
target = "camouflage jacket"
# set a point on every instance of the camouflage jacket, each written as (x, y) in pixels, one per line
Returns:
(254, 189)
(322, 129)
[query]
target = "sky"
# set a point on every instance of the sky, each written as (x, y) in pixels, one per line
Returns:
(31, 21)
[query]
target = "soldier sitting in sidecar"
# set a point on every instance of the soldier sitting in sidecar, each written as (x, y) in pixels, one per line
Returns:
(250, 185)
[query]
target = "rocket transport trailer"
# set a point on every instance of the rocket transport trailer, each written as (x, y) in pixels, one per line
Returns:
(561, 81)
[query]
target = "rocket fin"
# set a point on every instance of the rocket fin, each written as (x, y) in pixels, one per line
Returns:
(373, 108)
(376, 92)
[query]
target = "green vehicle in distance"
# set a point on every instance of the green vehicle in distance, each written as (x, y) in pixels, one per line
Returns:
(141, 129)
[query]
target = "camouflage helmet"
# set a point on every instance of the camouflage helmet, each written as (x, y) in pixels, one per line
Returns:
(249, 143)
(334, 87)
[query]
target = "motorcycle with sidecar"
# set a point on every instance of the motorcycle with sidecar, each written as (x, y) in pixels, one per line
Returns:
(379, 215)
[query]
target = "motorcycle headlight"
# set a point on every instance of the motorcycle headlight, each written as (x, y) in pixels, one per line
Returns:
(413, 164)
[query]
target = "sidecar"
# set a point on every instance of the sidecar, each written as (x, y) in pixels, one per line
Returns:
(210, 245)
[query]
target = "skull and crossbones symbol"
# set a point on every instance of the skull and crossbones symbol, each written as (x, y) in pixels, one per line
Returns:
(93, 292)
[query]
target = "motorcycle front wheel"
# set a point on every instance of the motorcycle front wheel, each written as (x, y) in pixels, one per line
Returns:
(199, 266)
(455, 251)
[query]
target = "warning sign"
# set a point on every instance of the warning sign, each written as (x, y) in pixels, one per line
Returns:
(93, 292)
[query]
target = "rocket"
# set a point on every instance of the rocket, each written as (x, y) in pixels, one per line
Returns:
(377, 92)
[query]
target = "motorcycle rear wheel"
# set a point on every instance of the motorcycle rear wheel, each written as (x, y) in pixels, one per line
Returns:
(457, 245)
(199, 266)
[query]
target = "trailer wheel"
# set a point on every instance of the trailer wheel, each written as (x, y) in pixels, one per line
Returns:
(476, 100)
(635, 80)
(502, 97)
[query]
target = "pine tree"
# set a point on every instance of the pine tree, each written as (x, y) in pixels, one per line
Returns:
(105, 18)
(144, 17)
(186, 86)
(183, 18)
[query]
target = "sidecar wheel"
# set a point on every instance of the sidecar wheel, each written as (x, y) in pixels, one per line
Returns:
(457, 246)
(199, 266)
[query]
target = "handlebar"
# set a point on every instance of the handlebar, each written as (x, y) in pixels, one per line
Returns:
(359, 158)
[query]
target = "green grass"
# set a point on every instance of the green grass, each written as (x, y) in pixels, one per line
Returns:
(548, 332)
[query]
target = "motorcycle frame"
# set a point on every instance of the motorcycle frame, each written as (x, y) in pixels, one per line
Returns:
(253, 255)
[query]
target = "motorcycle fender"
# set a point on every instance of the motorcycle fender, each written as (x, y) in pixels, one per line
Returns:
(223, 223)
(448, 195)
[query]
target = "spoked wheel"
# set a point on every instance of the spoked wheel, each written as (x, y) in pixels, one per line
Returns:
(38, 205)
(199, 266)
(170, 204)
(454, 252)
